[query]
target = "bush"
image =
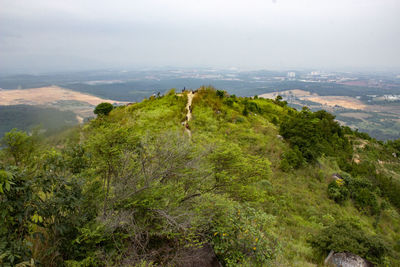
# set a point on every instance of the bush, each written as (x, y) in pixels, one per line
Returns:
(359, 190)
(16, 198)
(229, 102)
(314, 134)
(240, 235)
(103, 109)
(366, 201)
(220, 93)
(347, 236)
(292, 159)
(362, 194)
(338, 191)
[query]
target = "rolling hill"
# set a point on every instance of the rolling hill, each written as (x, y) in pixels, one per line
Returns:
(200, 180)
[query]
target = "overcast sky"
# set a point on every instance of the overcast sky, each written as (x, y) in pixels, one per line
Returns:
(57, 35)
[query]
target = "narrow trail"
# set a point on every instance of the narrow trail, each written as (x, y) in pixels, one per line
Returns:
(189, 113)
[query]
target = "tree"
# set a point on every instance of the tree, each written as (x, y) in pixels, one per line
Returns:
(220, 93)
(16, 197)
(315, 133)
(19, 145)
(103, 109)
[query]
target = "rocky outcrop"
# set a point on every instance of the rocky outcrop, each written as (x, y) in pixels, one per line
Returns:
(204, 257)
(346, 259)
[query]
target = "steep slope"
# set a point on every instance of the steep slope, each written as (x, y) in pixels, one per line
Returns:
(252, 185)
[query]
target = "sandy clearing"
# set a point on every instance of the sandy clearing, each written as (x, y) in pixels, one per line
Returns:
(343, 101)
(47, 95)
(331, 101)
(295, 92)
(357, 115)
(80, 119)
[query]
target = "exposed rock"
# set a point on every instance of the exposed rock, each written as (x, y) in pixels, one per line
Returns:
(346, 259)
(204, 257)
(337, 176)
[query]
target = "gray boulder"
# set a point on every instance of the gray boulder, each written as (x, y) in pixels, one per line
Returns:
(346, 259)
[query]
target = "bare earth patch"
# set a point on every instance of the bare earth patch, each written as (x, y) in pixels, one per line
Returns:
(330, 101)
(45, 95)
(52, 96)
(357, 115)
(342, 101)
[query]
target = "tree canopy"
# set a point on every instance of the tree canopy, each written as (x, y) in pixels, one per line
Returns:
(103, 109)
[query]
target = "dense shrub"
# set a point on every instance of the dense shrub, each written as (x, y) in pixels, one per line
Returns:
(229, 102)
(16, 198)
(240, 235)
(314, 134)
(338, 191)
(359, 190)
(292, 158)
(220, 93)
(347, 236)
(103, 108)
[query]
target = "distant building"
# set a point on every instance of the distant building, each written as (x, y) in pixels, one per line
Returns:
(314, 73)
(391, 97)
(291, 74)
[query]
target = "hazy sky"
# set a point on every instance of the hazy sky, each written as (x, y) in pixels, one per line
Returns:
(55, 35)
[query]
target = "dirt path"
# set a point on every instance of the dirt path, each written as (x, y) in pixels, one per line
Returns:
(189, 113)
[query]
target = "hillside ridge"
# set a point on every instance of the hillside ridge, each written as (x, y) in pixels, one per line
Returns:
(252, 186)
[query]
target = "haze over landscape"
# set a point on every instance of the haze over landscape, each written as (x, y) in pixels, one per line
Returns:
(48, 36)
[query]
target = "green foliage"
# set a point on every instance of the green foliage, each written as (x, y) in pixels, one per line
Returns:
(103, 109)
(27, 117)
(395, 144)
(245, 112)
(242, 235)
(338, 191)
(220, 93)
(292, 158)
(348, 236)
(229, 102)
(19, 145)
(75, 158)
(359, 190)
(314, 134)
(388, 186)
(132, 189)
(278, 101)
(16, 198)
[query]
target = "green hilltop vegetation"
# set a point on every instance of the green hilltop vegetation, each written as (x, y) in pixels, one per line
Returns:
(252, 185)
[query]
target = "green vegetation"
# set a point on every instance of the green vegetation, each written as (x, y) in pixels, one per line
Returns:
(26, 117)
(382, 126)
(253, 183)
(103, 109)
(314, 134)
(347, 235)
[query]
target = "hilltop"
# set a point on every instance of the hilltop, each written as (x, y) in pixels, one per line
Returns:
(197, 180)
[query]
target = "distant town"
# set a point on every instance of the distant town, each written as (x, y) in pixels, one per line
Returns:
(366, 101)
